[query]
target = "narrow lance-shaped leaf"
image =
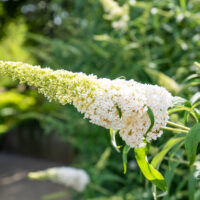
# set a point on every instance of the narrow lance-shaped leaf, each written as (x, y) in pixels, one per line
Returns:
(195, 98)
(119, 111)
(151, 117)
(191, 142)
(170, 143)
(169, 174)
(192, 76)
(178, 100)
(126, 149)
(113, 139)
(147, 169)
(183, 4)
(163, 80)
(192, 186)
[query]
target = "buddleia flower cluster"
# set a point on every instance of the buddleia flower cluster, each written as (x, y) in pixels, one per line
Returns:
(119, 15)
(118, 104)
(77, 179)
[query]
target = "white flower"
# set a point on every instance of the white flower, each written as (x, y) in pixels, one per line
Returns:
(180, 17)
(132, 99)
(154, 11)
(78, 179)
(132, 2)
(101, 100)
(119, 15)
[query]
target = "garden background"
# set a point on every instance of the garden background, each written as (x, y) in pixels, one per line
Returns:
(153, 42)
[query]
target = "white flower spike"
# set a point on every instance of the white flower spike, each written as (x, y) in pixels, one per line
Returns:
(78, 179)
(118, 104)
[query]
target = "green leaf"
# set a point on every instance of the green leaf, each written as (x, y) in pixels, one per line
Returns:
(126, 149)
(151, 117)
(183, 4)
(170, 143)
(119, 111)
(178, 109)
(148, 170)
(195, 98)
(169, 174)
(197, 65)
(103, 160)
(193, 83)
(192, 76)
(178, 100)
(163, 80)
(113, 139)
(191, 142)
(192, 186)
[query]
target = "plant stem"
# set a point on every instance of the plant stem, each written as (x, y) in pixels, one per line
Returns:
(177, 160)
(173, 129)
(100, 189)
(178, 125)
(154, 191)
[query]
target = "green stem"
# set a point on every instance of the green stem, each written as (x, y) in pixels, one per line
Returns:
(177, 160)
(100, 189)
(173, 129)
(178, 125)
(154, 190)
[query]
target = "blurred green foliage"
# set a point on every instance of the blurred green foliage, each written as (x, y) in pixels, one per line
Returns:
(10, 103)
(158, 44)
(161, 36)
(11, 47)
(16, 100)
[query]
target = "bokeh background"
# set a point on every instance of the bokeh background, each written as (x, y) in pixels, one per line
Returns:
(153, 42)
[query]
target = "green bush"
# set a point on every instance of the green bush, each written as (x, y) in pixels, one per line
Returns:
(157, 43)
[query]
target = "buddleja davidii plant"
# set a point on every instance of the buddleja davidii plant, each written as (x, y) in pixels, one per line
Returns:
(191, 112)
(190, 108)
(150, 170)
(137, 111)
(187, 137)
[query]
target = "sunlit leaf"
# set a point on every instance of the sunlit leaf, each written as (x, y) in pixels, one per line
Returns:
(178, 100)
(195, 97)
(193, 76)
(197, 65)
(183, 108)
(183, 4)
(148, 170)
(113, 139)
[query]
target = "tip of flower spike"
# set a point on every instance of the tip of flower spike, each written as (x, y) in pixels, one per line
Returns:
(34, 175)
